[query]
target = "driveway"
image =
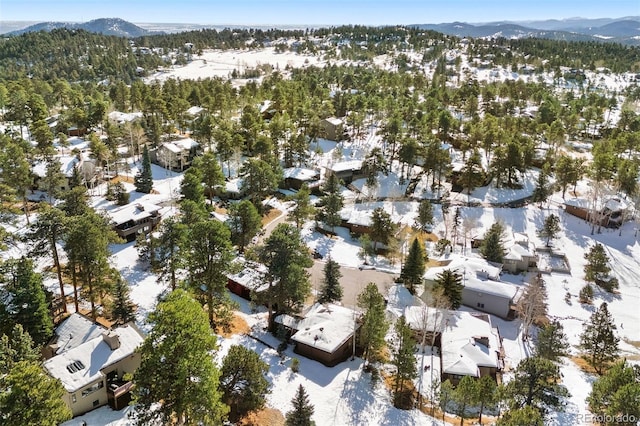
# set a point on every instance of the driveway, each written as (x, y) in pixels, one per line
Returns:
(353, 281)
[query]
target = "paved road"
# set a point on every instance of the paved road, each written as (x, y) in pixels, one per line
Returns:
(353, 281)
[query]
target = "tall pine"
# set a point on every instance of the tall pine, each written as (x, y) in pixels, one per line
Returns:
(598, 340)
(144, 180)
(492, 247)
(414, 266)
(450, 284)
(177, 380)
(331, 290)
(404, 362)
(302, 410)
(27, 300)
(373, 324)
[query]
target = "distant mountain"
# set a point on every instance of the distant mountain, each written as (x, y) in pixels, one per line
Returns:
(108, 26)
(622, 30)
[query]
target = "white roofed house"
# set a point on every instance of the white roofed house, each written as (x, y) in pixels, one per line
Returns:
(175, 155)
(325, 334)
(332, 128)
(295, 177)
(482, 289)
(133, 218)
(521, 255)
(69, 164)
(93, 372)
(470, 346)
(346, 171)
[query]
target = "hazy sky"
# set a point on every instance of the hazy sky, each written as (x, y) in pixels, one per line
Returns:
(332, 12)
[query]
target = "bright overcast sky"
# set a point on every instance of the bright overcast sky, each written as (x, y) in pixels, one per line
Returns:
(312, 12)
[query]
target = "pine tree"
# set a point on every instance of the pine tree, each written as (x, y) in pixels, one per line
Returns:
(15, 347)
(492, 247)
(44, 235)
(616, 392)
(404, 362)
(598, 340)
(177, 380)
(536, 383)
(286, 258)
(191, 186)
(485, 394)
(597, 268)
(29, 396)
(332, 202)
(424, 220)
(144, 179)
(373, 324)
(208, 259)
(331, 290)
(210, 171)
(244, 222)
(302, 410)
(122, 308)
(414, 266)
(463, 396)
(27, 302)
(303, 208)
(526, 416)
(242, 381)
(551, 342)
(450, 283)
(472, 173)
(541, 191)
(382, 229)
(550, 229)
(173, 237)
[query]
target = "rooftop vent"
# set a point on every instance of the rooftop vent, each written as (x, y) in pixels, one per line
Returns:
(111, 339)
(75, 366)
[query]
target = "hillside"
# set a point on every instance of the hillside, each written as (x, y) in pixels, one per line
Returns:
(106, 26)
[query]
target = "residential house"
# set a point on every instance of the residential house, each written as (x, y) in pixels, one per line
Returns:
(610, 212)
(93, 373)
(482, 289)
(326, 333)
(346, 171)
(134, 218)
(470, 346)
(521, 255)
(75, 330)
(176, 155)
(332, 128)
(295, 177)
(251, 279)
(81, 163)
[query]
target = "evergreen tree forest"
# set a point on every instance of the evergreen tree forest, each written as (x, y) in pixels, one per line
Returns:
(443, 135)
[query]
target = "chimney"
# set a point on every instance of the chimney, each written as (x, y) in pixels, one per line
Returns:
(111, 339)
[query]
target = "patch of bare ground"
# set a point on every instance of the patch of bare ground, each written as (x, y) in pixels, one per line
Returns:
(270, 216)
(266, 416)
(121, 178)
(238, 326)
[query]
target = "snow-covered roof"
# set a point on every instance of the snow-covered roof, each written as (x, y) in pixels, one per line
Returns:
(334, 120)
(132, 211)
(360, 214)
(252, 277)
(346, 165)
(67, 164)
(467, 265)
(233, 186)
(325, 327)
(195, 110)
(463, 343)
(170, 146)
(76, 330)
(82, 365)
(122, 117)
(518, 250)
(180, 145)
(300, 173)
(577, 202)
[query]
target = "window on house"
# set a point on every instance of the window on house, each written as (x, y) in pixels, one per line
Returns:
(96, 402)
(73, 398)
(480, 305)
(93, 388)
